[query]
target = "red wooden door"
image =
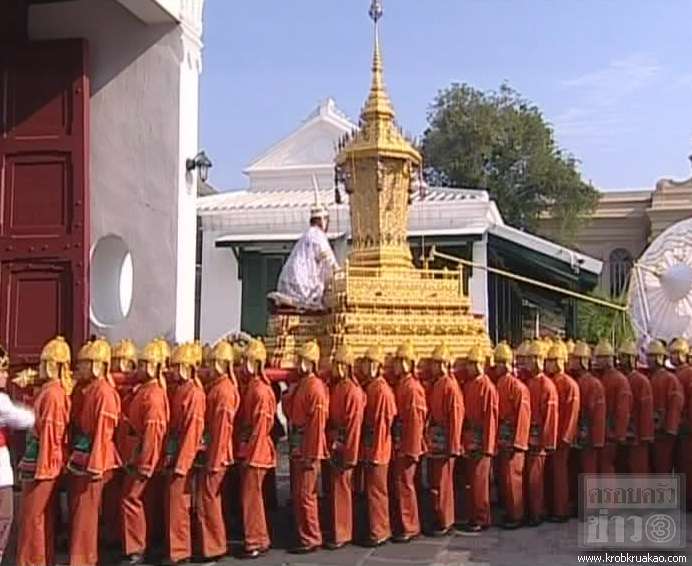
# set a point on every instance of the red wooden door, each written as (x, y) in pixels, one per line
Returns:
(44, 197)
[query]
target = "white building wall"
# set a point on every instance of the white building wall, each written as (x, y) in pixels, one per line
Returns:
(144, 107)
(221, 290)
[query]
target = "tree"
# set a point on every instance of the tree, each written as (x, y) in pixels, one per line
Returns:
(501, 142)
(595, 321)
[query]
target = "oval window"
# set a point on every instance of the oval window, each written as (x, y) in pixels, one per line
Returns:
(112, 281)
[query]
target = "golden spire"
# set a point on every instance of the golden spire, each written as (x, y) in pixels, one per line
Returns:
(378, 104)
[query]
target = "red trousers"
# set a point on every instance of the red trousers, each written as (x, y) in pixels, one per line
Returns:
(406, 518)
(254, 518)
(341, 498)
(638, 458)
(305, 504)
(35, 542)
(177, 504)
(685, 464)
(211, 525)
(559, 461)
(134, 519)
(534, 478)
(607, 458)
(663, 450)
(477, 474)
(588, 460)
(377, 494)
(442, 490)
(511, 479)
(86, 505)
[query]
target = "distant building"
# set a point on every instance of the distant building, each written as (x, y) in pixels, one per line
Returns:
(99, 105)
(247, 235)
(623, 225)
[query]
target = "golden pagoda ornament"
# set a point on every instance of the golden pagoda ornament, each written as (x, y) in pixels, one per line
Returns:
(379, 297)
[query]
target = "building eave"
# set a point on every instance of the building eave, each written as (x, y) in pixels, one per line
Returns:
(154, 11)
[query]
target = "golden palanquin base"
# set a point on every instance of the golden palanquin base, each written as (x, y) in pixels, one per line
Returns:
(369, 306)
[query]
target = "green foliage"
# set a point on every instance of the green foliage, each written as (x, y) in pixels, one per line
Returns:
(595, 321)
(501, 142)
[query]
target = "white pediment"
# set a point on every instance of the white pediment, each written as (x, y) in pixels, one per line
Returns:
(310, 147)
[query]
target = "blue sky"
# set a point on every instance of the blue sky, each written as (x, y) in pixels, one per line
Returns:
(614, 77)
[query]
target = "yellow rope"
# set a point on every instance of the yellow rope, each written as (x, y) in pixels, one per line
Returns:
(434, 253)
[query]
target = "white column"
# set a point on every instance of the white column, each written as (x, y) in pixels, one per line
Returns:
(478, 282)
(188, 142)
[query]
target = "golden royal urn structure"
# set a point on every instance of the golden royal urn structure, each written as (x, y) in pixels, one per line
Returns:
(379, 296)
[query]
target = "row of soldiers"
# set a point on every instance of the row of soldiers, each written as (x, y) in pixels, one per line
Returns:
(552, 402)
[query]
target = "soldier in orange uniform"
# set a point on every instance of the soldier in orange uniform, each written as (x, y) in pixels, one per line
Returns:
(93, 456)
(668, 403)
(376, 445)
(568, 418)
(522, 361)
(446, 419)
(307, 410)
(479, 437)
(145, 421)
(256, 448)
(44, 457)
(640, 431)
(592, 411)
(679, 350)
(543, 431)
(346, 407)
(514, 420)
(184, 440)
(408, 435)
(222, 405)
(618, 404)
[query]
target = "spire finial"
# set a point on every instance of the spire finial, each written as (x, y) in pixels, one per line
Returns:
(376, 10)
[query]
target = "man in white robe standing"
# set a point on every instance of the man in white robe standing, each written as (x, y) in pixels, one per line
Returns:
(310, 265)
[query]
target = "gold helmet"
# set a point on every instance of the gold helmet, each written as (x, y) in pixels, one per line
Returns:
(222, 351)
(165, 348)
(375, 354)
(656, 348)
(152, 353)
(206, 354)
(125, 350)
(603, 349)
(344, 355)
(523, 349)
(581, 350)
(197, 351)
(57, 350)
(442, 354)
(256, 352)
(184, 354)
(4, 359)
(83, 353)
(679, 346)
(406, 351)
(536, 349)
(503, 353)
(558, 351)
(628, 348)
(476, 354)
(310, 351)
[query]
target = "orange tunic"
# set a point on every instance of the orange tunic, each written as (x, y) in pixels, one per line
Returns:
(446, 410)
(257, 412)
(514, 413)
(668, 402)
(52, 410)
(147, 420)
(221, 408)
(346, 408)
(592, 413)
(544, 417)
(481, 416)
(307, 410)
(98, 419)
(409, 425)
(380, 410)
(567, 407)
(618, 405)
(187, 408)
(641, 425)
(684, 375)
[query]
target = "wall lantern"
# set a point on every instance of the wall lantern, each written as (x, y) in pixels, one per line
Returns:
(200, 162)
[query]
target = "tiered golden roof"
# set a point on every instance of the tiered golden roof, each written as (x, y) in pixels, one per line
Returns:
(379, 296)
